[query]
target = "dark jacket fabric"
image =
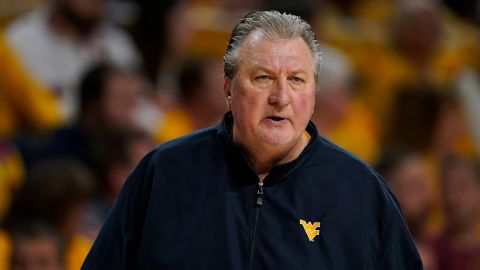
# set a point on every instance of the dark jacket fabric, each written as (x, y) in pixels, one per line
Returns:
(196, 203)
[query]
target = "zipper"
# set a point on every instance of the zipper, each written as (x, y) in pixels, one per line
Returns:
(258, 204)
(259, 194)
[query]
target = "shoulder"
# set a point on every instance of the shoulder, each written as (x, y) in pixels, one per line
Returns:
(329, 155)
(176, 162)
(26, 27)
(187, 148)
(351, 179)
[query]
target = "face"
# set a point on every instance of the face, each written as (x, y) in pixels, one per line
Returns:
(84, 14)
(409, 184)
(334, 102)
(117, 174)
(461, 199)
(272, 94)
(122, 94)
(36, 254)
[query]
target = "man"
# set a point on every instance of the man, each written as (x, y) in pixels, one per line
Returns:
(56, 193)
(406, 173)
(200, 102)
(262, 190)
(458, 245)
(37, 246)
(111, 100)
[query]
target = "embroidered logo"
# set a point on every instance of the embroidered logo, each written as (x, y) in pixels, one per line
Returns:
(310, 229)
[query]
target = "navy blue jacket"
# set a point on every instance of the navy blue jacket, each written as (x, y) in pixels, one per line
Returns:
(196, 203)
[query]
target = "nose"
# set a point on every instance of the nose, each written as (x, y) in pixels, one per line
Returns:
(280, 94)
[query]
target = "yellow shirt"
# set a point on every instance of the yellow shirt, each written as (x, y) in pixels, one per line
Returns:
(77, 251)
(11, 175)
(357, 133)
(5, 251)
(22, 99)
(176, 123)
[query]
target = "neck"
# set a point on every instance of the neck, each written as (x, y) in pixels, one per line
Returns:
(264, 158)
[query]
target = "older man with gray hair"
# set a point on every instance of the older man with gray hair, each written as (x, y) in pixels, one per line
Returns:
(262, 190)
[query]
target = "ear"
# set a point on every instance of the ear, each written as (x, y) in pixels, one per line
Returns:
(227, 86)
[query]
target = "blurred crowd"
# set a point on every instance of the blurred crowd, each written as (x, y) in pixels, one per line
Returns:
(88, 87)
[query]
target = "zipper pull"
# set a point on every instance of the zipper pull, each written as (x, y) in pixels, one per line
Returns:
(260, 194)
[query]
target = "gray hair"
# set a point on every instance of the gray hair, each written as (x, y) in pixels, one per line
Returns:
(273, 25)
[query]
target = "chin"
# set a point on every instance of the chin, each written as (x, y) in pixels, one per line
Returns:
(273, 139)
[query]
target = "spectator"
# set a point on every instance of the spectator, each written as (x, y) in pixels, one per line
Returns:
(407, 175)
(25, 106)
(201, 100)
(119, 156)
(56, 193)
(162, 33)
(110, 100)
(11, 175)
(5, 250)
(37, 246)
(458, 247)
(338, 113)
(424, 119)
(60, 40)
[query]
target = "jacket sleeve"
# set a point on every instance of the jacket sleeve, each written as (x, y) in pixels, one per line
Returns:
(117, 243)
(397, 249)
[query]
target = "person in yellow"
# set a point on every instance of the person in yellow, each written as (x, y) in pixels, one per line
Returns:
(56, 198)
(24, 103)
(35, 245)
(24, 106)
(5, 250)
(11, 175)
(418, 43)
(339, 115)
(431, 123)
(70, 258)
(201, 100)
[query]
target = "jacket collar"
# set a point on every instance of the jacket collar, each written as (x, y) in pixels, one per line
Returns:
(241, 166)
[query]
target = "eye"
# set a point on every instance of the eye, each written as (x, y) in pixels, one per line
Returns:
(262, 78)
(296, 79)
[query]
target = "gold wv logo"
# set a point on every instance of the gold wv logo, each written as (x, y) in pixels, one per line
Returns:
(310, 229)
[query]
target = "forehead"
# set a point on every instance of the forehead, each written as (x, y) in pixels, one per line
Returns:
(263, 52)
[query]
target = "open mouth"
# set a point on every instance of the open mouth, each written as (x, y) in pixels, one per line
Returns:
(276, 118)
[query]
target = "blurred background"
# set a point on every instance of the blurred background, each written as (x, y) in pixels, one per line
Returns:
(88, 87)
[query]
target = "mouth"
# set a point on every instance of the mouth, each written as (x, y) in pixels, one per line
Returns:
(276, 118)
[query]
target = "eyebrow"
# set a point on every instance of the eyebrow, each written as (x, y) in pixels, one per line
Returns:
(267, 70)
